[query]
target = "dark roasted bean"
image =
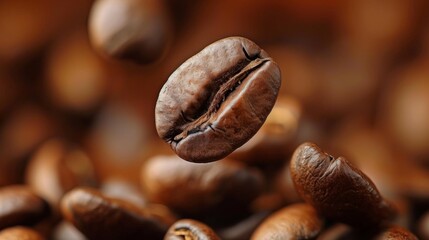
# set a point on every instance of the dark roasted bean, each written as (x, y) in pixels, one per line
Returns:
(188, 229)
(217, 100)
(21, 206)
(192, 188)
(337, 189)
(100, 217)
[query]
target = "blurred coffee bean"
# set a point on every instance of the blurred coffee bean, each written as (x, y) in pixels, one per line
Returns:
(100, 217)
(76, 77)
(189, 229)
(118, 140)
(136, 30)
(296, 221)
(65, 230)
(119, 188)
(273, 143)
(21, 206)
(395, 233)
(192, 188)
(337, 189)
(20, 233)
(58, 167)
(237, 88)
(403, 112)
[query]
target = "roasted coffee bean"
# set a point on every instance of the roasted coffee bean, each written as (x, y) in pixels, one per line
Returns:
(296, 221)
(337, 189)
(217, 100)
(100, 217)
(57, 168)
(193, 188)
(20, 233)
(21, 206)
(137, 30)
(395, 233)
(188, 229)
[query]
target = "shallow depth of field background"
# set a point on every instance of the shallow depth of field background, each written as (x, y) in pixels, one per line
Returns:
(356, 71)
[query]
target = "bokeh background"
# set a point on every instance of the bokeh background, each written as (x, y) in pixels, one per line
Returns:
(355, 80)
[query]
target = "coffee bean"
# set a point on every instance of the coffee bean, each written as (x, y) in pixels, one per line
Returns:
(296, 221)
(395, 233)
(20, 233)
(194, 188)
(217, 100)
(100, 217)
(137, 30)
(337, 189)
(58, 167)
(21, 206)
(188, 229)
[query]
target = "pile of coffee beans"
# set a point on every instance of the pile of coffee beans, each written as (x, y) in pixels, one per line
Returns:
(214, 120)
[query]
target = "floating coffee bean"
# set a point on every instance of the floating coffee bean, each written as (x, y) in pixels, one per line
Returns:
(217, 100)
(100, 217)
(196, 188)
(395, 233)
(20, 233)
(21, 206)
(337, 189)
(137, 30)
(296, 221)
(188, 229)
